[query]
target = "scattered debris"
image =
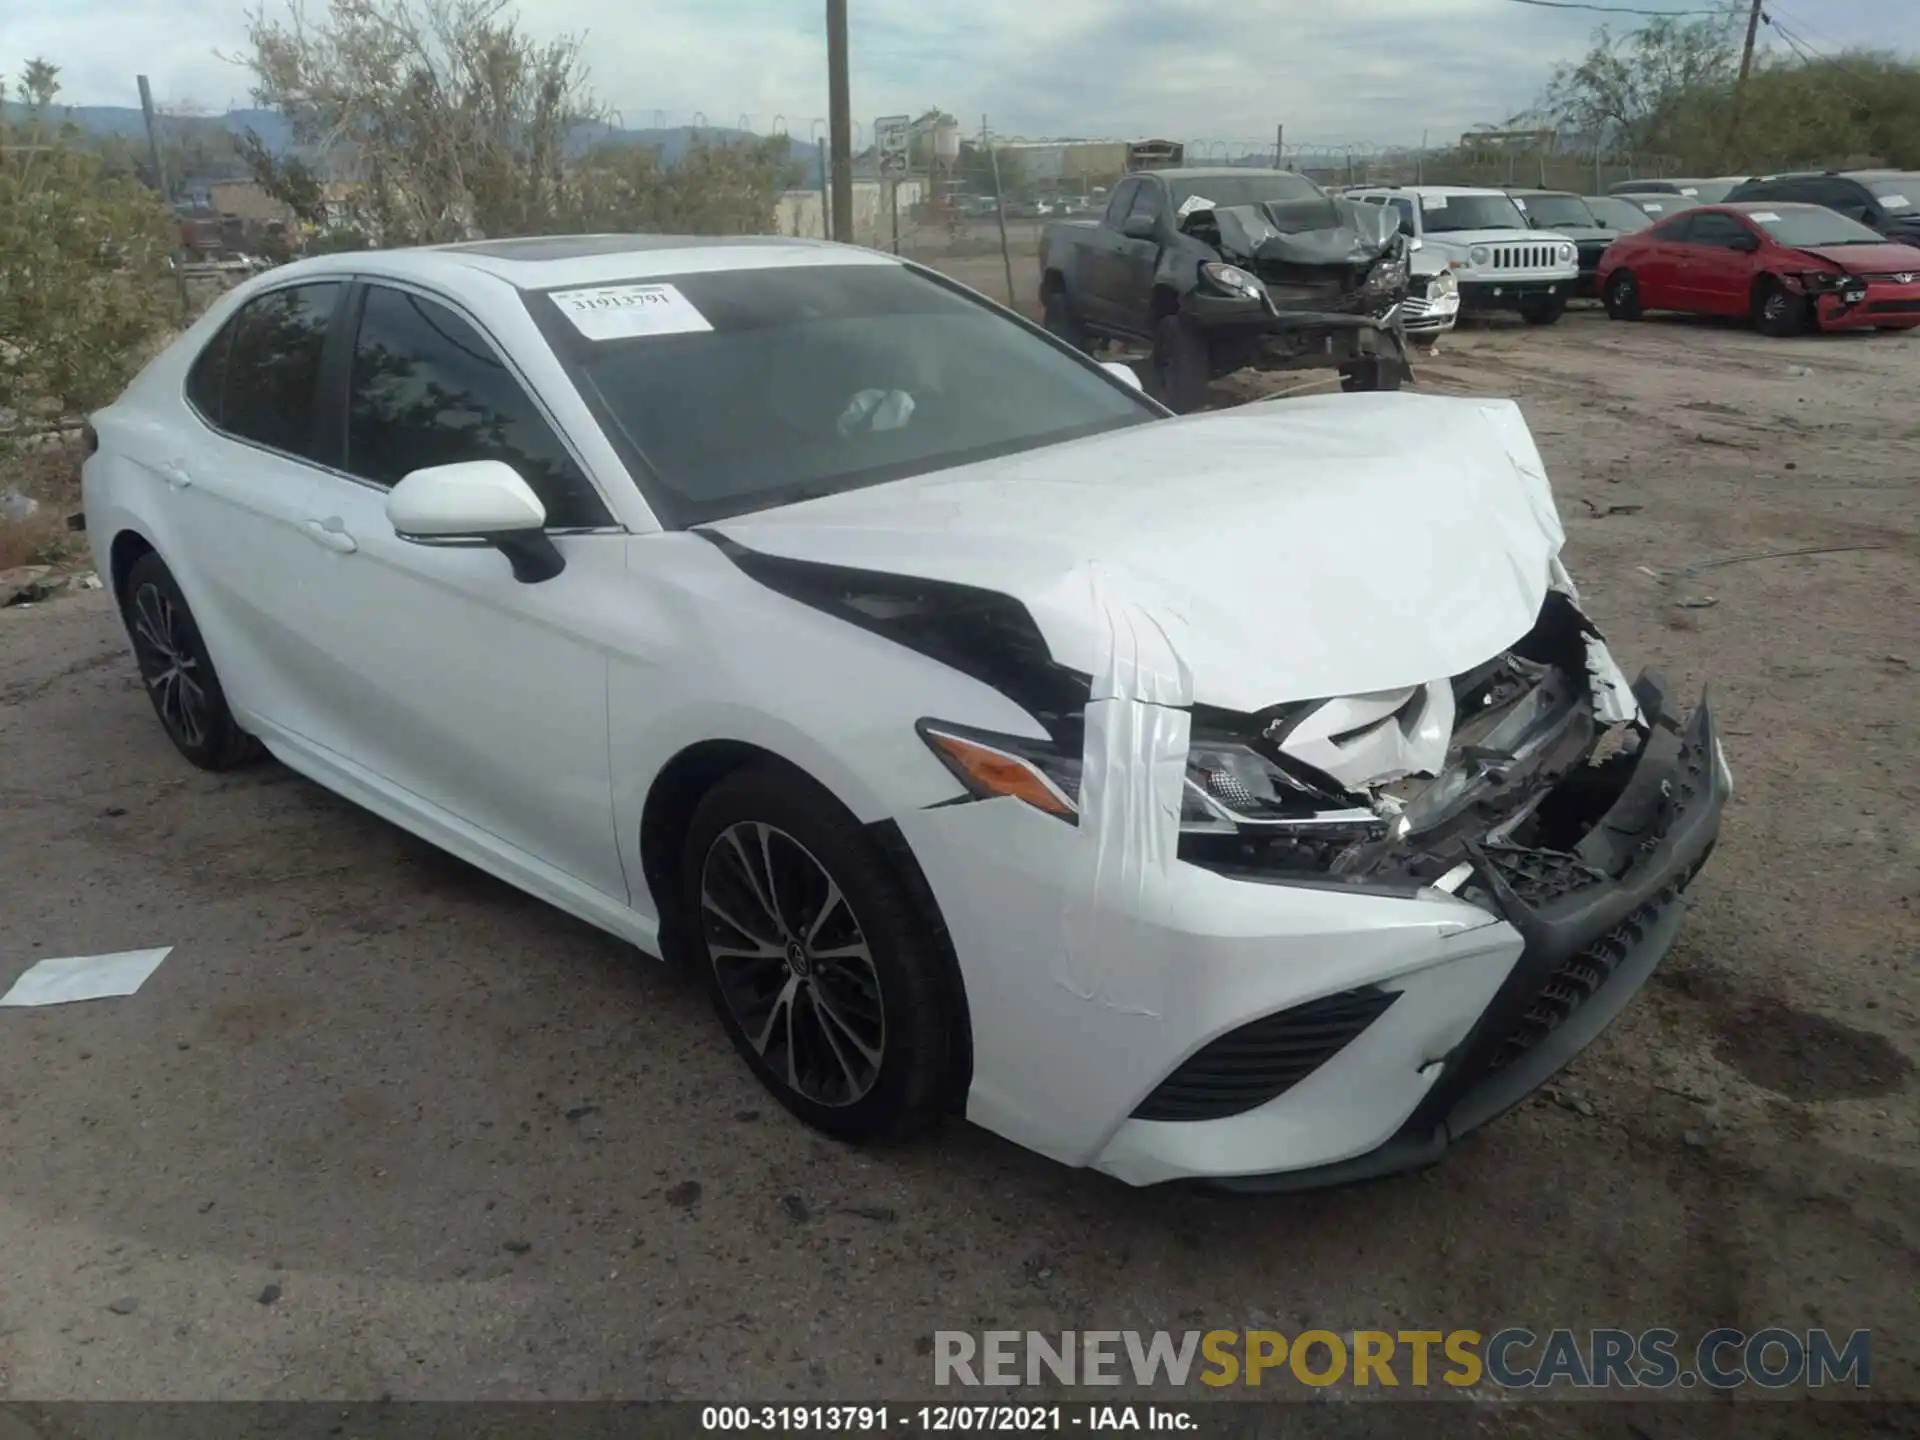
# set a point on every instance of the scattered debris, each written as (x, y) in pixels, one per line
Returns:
(1900, 660)
(1695, 1139)
(1799, 371)
(270, 1294)
(685, 1195)
(516, 1247)
(23, 584)
(125, 1305)
(1574, 1103)
(114, 812)
(580, 1112)
(1793, 465)
(62, 980)
(796, 1207)
(77, 520)
(1697, 602)
(883, 1214)
(15, 506)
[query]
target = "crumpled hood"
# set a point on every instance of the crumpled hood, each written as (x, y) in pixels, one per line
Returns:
(1333, 231)
(1291, 550)
(1891, 257)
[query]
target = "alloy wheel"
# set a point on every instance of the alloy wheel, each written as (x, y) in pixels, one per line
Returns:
(169, 665)
(794, 967)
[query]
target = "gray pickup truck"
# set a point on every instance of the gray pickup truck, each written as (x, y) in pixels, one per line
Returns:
(1221, 269)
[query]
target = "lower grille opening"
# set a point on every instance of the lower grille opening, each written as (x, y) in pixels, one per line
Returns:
(1245, 1068)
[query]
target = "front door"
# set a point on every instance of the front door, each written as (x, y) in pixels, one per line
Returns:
(480, 695)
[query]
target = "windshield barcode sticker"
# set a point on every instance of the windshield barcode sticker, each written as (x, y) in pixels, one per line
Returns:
(1191, 204)
(1895, 202)
(1761, 217)
(619, 312)
(1433, 202)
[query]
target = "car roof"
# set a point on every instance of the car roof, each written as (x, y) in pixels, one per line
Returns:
(1537, 190)
(1211, 172)
(547, 261)
(1434, 189)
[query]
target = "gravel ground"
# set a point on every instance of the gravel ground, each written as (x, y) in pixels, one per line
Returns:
(381, 1126)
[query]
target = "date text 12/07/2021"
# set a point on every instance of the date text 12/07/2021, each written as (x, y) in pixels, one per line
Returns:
(941, 1419)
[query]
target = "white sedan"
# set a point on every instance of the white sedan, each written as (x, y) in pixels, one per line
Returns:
(1240, 797)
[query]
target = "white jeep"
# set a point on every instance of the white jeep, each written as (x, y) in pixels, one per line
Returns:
(1482, 239)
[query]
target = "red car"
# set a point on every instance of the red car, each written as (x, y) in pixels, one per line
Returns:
(1790, 267)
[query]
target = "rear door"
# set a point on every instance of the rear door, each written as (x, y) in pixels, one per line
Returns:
(242, 479)
(480, 695)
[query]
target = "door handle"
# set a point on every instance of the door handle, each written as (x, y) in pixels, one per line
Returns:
(331, 534)
(175, 475)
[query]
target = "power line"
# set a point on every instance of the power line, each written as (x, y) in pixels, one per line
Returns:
(1618, 9)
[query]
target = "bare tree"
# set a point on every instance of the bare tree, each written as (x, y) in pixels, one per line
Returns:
(442, 118)
(1639, 92)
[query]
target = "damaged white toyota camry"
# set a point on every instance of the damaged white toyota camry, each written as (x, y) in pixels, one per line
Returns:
(1242, 797)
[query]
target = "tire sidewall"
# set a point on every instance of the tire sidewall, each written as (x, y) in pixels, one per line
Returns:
(225, 744)
(1622, 296)
(908, 1093)
(1792, 320)
(1060, 321)
(1181, 368)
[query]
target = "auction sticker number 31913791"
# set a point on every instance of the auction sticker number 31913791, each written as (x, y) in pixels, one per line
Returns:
(618, 312)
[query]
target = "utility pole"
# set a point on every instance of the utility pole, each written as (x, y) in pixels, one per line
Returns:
(160, 184)
(1279, 147)
(840, 120)
(1740, 84)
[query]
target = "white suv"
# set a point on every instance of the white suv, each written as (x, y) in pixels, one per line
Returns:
(1481, 237)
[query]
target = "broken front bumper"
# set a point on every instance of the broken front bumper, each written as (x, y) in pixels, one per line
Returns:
(1591, 939)
(1255, 332)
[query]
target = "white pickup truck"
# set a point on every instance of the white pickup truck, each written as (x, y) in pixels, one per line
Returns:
(1481, 237)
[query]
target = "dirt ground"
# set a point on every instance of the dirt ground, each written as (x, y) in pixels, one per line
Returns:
(480, 1151)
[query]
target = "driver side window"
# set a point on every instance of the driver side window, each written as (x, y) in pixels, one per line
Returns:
(1405, 208)
(1146, 203)
(1122, 201)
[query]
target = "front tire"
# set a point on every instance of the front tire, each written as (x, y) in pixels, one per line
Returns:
(820, 967)
(179, 675)
(1778, 312)
(1622, 296)
(1182, 365)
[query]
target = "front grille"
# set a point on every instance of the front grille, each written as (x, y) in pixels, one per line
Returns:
(1523, 257)
(1894, 307)
(1246, 1068)
(1540, 876)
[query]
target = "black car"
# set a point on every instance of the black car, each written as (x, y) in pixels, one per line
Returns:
(1701, 192)
(1568, 214)
(1618, 213)
(1222, 269)
(1884, 200)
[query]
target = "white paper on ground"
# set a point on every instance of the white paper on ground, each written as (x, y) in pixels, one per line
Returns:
(618, 312)
(85, 977)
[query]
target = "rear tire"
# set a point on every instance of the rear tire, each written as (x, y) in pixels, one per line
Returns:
(826, 979)
(1777, 311)
(1622, 296)
(1182, 365)
(1061, 321)
(1546, 310)
(178, 673)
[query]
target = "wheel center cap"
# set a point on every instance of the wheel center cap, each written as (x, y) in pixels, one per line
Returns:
(797, 958)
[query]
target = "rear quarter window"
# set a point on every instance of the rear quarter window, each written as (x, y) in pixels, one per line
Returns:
(273, 367)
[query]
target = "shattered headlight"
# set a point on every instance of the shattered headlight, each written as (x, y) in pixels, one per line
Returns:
(1825, 282)
(1389, 273)
(1232, 280)
(1230, 788)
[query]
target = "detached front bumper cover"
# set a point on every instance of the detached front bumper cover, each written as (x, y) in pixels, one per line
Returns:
(1591, 941)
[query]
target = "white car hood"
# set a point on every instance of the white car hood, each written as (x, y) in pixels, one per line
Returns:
(1292, 550)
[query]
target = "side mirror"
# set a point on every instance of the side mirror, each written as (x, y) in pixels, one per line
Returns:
(477, 502)
(1140, 227)
(1414, 242)
(1124, 373)
(1747, 244)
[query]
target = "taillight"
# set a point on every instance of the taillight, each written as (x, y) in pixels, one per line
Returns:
(91, 438)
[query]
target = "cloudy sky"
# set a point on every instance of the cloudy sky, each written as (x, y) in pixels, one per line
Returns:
(1333, 71)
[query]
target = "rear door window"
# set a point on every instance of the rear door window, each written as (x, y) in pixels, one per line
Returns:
(273, 367)
(1673, 230)
(1712, 228)
(428, 389)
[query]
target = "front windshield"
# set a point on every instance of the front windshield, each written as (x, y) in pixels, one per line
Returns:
(1898, 193)
(759, 387)
(1447, 213)
(1813, 225)
(1224, 190)
(1621, 215)
(1552, 212)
